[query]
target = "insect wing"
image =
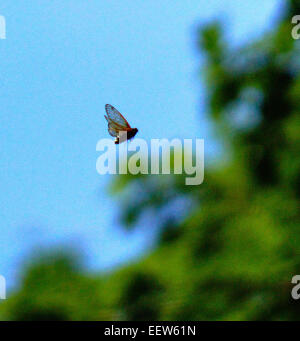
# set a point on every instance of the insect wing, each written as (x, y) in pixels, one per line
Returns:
(112, 130)
(115, 117)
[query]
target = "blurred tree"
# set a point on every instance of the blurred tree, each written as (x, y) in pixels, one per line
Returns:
(236, 250)
(231, 252)
(55, 289)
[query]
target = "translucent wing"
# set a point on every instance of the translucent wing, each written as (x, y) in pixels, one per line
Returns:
(115, 117)
(112, 130)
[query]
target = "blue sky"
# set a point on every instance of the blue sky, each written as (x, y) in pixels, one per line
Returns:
(61, 63)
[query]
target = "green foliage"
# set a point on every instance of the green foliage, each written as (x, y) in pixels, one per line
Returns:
(54, 288)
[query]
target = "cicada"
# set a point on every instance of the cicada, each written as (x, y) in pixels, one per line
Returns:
(117, 125)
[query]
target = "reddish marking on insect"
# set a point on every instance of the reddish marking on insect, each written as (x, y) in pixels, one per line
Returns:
(118, 124)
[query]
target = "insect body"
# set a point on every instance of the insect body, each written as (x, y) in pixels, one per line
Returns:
(117, 125)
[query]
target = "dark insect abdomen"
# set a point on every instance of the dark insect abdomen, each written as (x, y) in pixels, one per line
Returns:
(130, 134)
